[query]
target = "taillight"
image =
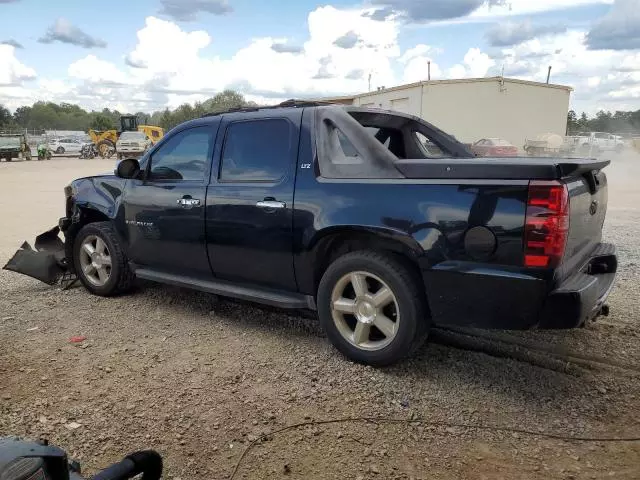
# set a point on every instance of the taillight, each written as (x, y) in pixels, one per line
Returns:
(547, 224)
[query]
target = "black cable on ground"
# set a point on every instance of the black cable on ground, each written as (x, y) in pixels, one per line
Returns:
(433, 423)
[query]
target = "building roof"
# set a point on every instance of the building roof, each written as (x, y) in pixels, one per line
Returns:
(341, 99)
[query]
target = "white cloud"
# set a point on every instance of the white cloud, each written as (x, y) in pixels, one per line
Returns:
(171, 64)
(417, 69)
(526, 7)
(94, 70)
(619, 29)
(416, 63)
(174, 61)
(12, 71)
(475, 64)
(447, 11)
(602, 79)
(63, 31)
(419, 50)
(164, 47)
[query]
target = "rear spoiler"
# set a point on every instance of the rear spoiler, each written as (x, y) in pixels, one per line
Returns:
(487, 168)
(575, 169)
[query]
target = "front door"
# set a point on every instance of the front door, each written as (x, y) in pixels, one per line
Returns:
(250, 200)
(165, 212)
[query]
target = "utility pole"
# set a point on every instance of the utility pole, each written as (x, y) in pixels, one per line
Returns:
(369, 82)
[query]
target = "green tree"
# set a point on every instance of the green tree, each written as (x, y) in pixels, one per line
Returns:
(102, 122)
(6, 119)
(22, 115)
(572, 123)
(143, 118)
(225, 100)
(583, 123)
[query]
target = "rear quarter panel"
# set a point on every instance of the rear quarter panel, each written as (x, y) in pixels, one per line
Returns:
(430, 219)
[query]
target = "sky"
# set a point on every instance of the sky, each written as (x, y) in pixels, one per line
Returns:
(146, 55)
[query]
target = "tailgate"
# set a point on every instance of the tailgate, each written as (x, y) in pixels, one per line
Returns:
(588, 206)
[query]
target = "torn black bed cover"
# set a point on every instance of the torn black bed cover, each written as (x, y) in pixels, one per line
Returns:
(45, 263)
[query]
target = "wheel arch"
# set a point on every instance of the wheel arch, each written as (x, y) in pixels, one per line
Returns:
(333, 242)
(83, 215)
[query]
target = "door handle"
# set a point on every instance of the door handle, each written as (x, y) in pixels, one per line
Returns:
(271, 204)
(188, 202)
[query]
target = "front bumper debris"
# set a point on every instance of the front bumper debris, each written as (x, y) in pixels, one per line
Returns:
(46, 262)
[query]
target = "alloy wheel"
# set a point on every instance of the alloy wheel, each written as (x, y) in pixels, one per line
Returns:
(365, 310)
(95, 260)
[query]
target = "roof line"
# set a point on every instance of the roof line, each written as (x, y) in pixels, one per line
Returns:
(454, 80)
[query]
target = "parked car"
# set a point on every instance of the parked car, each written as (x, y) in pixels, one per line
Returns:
(593, 143)
(494, 147)
(132, 144)
(69, 145)
(14, 146)
(303, 207)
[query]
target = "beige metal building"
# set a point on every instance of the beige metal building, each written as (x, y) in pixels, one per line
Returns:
(475, 108)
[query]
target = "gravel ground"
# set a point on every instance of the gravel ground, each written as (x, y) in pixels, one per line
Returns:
(200, 378)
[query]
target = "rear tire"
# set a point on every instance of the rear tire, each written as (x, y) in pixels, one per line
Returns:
(365, 322)
(99, 261)
(60, 150)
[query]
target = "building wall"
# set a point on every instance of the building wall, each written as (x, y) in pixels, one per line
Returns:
(406, 100)
(479, 109)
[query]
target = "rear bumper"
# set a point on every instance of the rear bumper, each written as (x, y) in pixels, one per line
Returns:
(481, 296)
(580, 297)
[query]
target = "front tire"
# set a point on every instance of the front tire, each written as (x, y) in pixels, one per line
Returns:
(60, 150)
(373, 308)
(106, 148)
(100, 262)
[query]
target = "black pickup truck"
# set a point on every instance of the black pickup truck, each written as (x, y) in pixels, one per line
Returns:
(378, 220)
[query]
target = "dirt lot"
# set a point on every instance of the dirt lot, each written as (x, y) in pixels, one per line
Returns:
(200, 378)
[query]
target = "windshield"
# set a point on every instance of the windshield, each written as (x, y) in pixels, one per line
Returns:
(9, 141)
(133, 136)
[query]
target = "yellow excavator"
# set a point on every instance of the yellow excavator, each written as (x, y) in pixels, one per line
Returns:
(105, 141)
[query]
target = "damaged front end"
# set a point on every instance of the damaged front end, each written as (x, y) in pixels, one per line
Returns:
(46, 262)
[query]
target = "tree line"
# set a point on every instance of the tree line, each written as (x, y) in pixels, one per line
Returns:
(65, 116)
(618, 122)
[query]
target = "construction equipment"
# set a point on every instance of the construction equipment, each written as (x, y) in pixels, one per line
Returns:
(105, 141)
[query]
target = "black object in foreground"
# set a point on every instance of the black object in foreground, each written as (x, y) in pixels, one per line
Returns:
(25, 460)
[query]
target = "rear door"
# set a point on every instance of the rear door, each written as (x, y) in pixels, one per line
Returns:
(165, 213)
(250, 199)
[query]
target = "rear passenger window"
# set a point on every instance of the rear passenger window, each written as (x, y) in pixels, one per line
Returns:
(256, 151)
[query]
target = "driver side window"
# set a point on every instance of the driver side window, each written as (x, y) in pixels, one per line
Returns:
(184, 156)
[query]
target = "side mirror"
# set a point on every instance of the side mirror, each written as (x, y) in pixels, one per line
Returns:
(128, 168)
